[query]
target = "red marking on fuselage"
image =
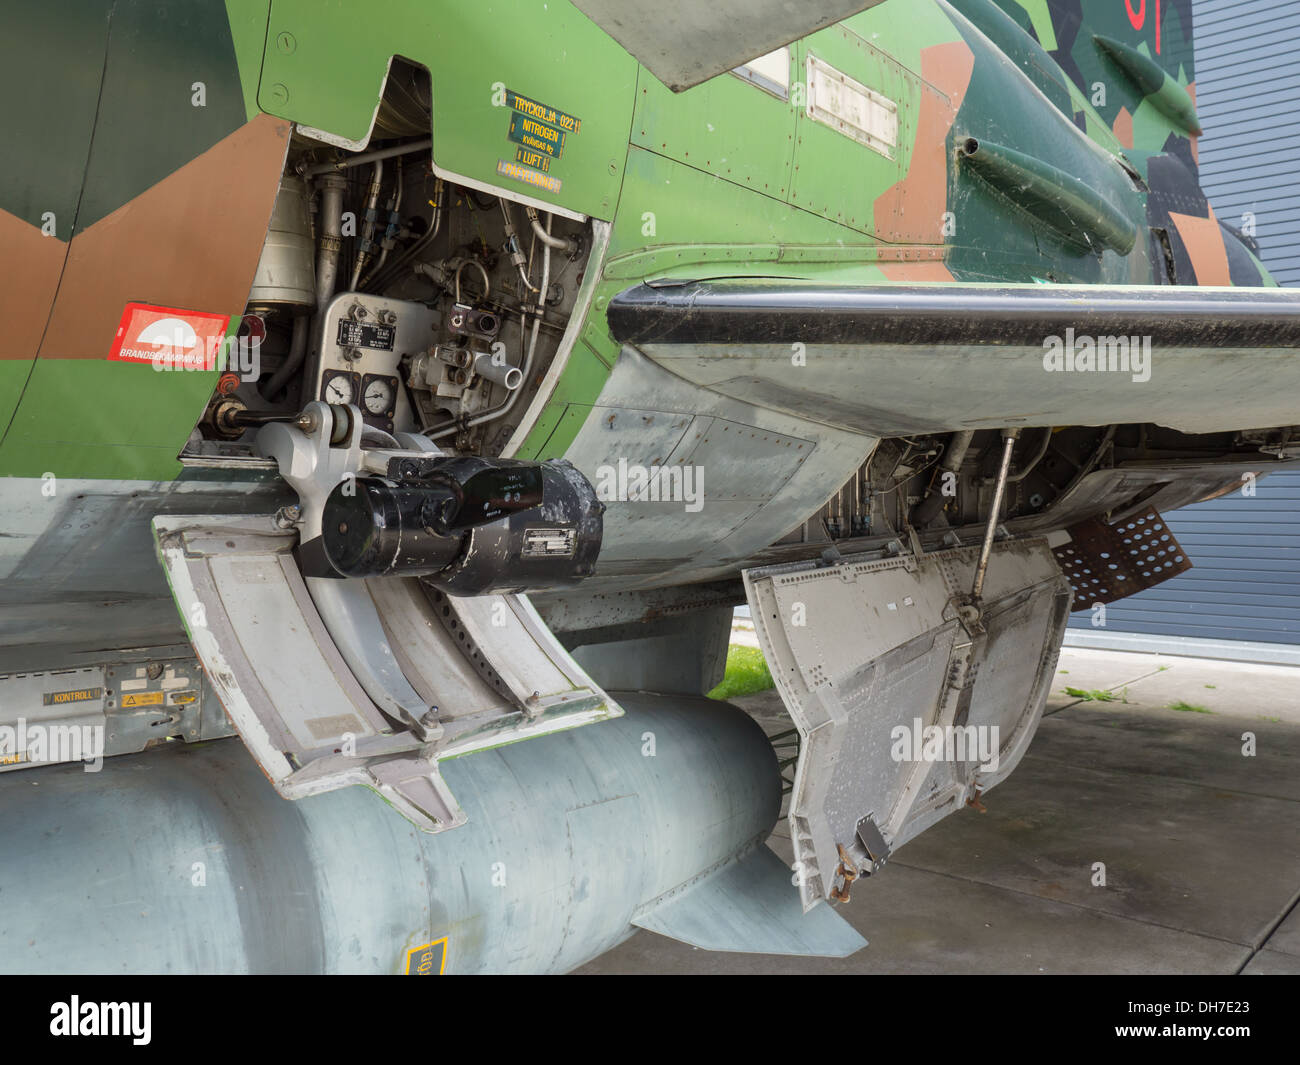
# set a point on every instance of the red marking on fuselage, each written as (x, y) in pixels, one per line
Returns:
(1137, 19)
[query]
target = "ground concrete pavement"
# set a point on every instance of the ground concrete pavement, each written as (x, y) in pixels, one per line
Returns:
(1201, 841)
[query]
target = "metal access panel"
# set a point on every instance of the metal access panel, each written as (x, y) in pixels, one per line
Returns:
(359, 348)
(335, 683)
(53, 716)
(87, 713)
(906, 707)
(684, 43)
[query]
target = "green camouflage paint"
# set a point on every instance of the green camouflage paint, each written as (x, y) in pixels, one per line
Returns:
(725, 178)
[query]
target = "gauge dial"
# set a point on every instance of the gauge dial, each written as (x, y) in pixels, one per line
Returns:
(340, 389)
(379, 395)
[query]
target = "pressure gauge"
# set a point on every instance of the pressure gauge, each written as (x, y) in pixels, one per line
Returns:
(340, 388)
(379, 395)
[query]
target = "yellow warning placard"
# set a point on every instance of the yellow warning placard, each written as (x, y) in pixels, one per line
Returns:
(142, 699)
(428, 960)
(528, 175)
(76, 695)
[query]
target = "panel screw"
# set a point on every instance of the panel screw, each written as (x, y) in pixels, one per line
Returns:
(278, 94)
(287, 43)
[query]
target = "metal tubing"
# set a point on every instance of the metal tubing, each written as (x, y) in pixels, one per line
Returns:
(1020, 475)
(1008, 445)
(331, 238)
(367, 157)
(368, 231)
(564, 244)
(928, 508)
(382, 278)
(297, 351)
(504, 407)
(509, 376)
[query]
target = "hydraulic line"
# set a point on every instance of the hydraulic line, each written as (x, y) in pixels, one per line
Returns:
(367, 157)
(564, 244)
(394, 212)
(297, 350)
(368, 230)
(390, 274)
(928, 508)
(504, 408)
(1028, 468)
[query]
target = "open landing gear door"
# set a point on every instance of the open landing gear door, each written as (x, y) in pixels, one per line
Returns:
(910, 700)
(365, 681)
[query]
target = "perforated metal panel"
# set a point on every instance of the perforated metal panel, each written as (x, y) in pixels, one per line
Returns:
(1245, 584)
(1105, 563)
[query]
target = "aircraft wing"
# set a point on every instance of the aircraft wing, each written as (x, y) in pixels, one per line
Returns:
(685, 42)
(893, 360)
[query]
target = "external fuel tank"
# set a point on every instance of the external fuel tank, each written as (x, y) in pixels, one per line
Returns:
(183, 859)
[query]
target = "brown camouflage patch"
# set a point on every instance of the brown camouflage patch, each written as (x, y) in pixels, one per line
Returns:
(925, 271)
(912, 210)
(191, 241)
(1123, 128)
(28, 291)
(1203, 240)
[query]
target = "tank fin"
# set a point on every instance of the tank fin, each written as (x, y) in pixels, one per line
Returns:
(751, 906)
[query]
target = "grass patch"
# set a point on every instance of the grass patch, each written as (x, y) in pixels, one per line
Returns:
(1095, 696)
(1189, 708)
(746, 673)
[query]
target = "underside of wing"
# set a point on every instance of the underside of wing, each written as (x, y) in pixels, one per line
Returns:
(900, 359)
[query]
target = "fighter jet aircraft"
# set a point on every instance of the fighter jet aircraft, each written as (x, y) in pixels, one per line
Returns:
(413, 389)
